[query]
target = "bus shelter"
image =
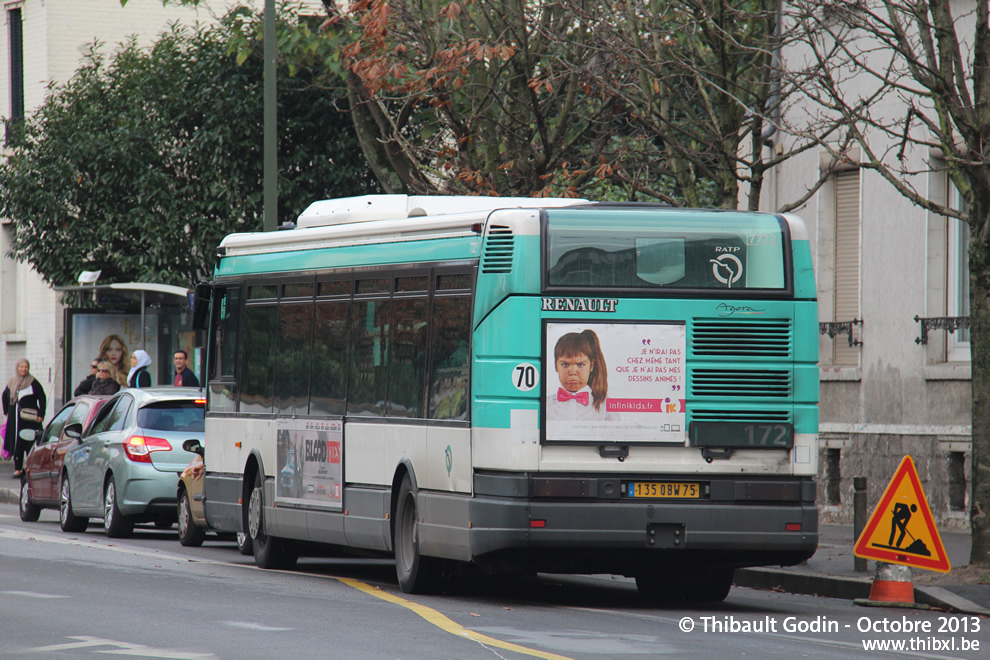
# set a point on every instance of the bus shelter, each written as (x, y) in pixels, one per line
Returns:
(116, 319)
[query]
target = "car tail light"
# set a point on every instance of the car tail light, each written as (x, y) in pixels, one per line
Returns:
(139, 447)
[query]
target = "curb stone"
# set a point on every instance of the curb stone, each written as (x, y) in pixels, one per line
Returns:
(10, 495)
(846, 588)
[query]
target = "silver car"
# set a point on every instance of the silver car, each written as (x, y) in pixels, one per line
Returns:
(126, 468)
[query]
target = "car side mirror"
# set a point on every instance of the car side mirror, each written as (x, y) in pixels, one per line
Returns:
(193, 445)
(29, 435)
(72, 431)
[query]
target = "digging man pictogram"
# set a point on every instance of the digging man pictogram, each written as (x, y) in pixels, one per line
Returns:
(901, 517)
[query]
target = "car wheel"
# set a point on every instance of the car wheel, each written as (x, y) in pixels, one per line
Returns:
(269, 551)
(244, 545)
(68, 521)
(115, 524)
(30, 512)
(417, 574)
(190, 535)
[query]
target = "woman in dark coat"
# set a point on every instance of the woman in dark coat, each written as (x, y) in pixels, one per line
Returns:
(24, 404)
(106, 379)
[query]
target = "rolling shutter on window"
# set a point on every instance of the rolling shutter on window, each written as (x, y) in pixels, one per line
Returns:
(846, 263)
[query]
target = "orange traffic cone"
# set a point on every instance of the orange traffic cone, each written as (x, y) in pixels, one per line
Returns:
(892, 587)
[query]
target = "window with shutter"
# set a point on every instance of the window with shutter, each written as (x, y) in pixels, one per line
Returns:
(957, 280)
(847, 263)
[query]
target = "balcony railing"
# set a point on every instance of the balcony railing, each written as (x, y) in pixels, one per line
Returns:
(833, 328)
(949, 323)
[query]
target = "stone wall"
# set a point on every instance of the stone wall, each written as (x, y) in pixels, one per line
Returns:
(943, 465)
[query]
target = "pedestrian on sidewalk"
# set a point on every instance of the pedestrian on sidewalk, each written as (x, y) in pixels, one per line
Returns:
(24, 404)
(139, 376)
(184, 377)
(87, 383)
(106, 379)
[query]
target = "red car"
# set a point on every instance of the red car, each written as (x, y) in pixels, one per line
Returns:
(43, 464)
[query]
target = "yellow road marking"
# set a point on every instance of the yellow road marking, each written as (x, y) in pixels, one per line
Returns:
(442, 622)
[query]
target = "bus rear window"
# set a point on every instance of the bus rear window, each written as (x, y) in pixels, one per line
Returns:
(664, 248)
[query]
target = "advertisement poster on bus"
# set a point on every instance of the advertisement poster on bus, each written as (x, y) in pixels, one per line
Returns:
(309, 462)
(615, 382)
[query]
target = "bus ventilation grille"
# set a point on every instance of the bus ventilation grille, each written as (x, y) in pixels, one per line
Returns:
(753, 416)
(765, 338)
(773, 383)
(498, 250)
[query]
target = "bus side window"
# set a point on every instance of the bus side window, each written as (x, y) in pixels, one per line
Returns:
(407, 378)
(328, 390)
(367, 384)
(449, 373)
(292, 368)
(226, 315)
(256, 382)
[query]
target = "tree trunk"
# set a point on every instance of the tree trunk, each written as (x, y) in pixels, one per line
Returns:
(979, 319)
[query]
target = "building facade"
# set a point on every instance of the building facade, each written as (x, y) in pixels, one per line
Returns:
(894, 343)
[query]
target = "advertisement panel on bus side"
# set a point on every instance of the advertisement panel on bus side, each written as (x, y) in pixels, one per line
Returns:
(310, 462)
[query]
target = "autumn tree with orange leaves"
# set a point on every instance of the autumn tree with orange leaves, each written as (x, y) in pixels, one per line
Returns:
(476, 97)
(611, 99)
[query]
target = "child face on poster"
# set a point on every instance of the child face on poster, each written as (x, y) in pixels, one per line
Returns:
(574, 371)
(580, 364)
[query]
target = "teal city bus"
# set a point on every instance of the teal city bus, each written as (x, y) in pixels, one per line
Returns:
(516, 384)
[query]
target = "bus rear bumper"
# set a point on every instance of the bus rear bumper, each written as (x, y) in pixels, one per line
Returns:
(619, 536)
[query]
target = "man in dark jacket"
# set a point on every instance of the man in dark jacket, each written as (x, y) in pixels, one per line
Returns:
(87, 383)
(184, 377)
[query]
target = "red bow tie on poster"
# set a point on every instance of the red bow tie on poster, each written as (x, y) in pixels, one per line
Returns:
(564, 395)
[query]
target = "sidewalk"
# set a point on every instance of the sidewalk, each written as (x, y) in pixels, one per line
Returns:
(830, 573)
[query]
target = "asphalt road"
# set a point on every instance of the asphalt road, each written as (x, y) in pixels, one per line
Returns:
(85, 596)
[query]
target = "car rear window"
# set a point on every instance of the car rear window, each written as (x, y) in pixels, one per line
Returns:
(183, 416)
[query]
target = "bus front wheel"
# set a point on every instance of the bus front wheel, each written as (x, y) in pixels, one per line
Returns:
(417, 574)
(269, 551)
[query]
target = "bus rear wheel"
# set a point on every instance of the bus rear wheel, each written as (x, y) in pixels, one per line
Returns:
(659, 588)
(269, 551)
(417, 574)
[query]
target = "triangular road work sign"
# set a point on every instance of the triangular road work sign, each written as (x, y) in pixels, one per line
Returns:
(901, 529)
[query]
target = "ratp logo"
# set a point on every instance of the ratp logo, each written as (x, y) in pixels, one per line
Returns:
(727, 269)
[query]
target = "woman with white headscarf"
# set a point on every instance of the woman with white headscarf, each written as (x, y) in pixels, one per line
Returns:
(139, 376)
(24, 404)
